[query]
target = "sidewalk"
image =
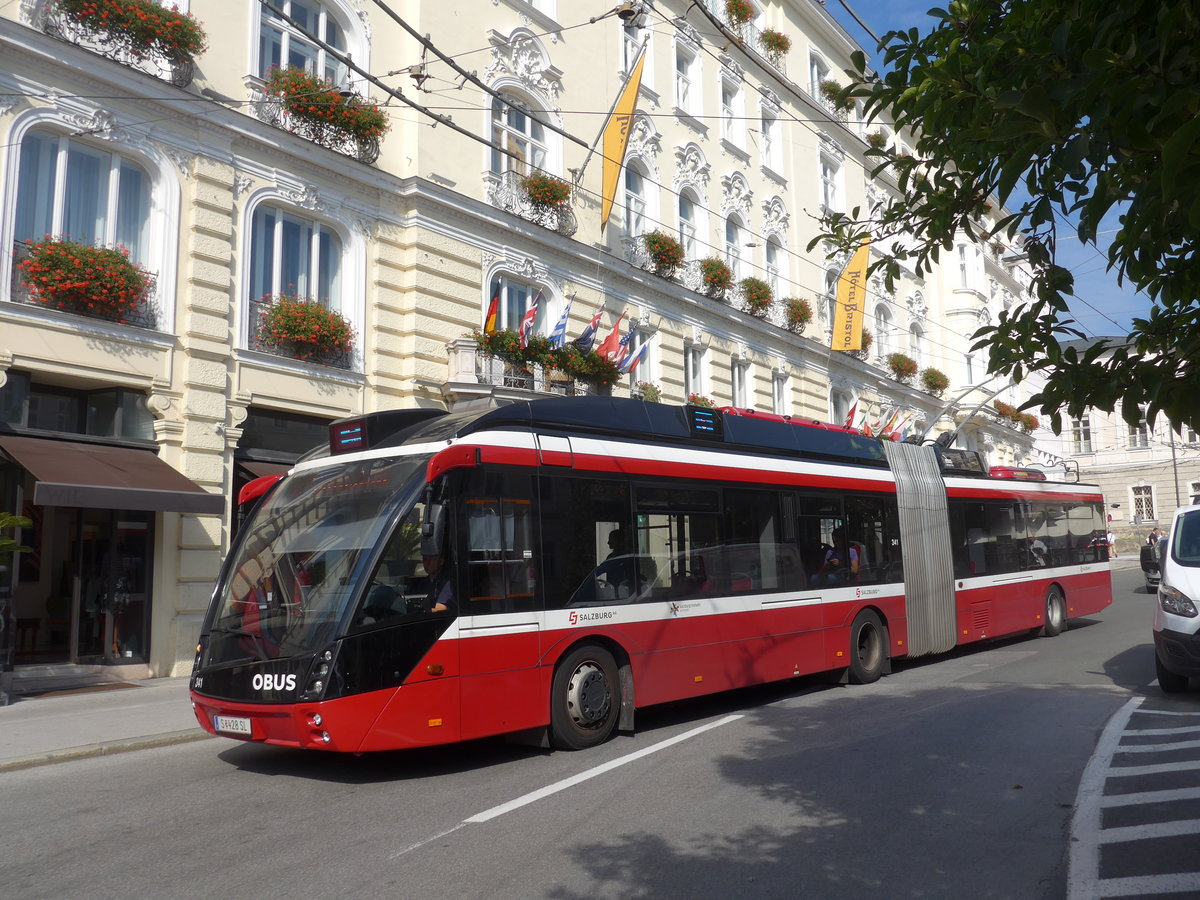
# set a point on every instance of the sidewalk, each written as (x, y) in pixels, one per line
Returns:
(95, 720)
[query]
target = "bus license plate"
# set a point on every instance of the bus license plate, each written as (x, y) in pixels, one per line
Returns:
(232, 724)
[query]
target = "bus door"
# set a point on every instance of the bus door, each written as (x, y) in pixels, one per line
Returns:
(498, 621)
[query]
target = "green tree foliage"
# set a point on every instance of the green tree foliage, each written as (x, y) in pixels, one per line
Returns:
(1064, 111)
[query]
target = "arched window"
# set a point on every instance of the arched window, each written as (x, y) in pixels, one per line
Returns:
(635, 200)
(883, 330)
(280, 44)
(292, 254)
(687, 223)
(916, 343)
(733, 246)
(518, 133)
(68, 188)
(514, 297)
(772, 267)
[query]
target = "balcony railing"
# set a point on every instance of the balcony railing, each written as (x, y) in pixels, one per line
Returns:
(688, 274)
(145, 315)
(469, 365)
(304, 352)
(116, 46)
(505, 191)
(750, 35)
(271, 109)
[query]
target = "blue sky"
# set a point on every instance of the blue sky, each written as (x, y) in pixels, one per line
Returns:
(1103, 307)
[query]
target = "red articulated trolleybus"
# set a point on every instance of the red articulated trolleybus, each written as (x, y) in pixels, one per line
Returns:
(548, 567)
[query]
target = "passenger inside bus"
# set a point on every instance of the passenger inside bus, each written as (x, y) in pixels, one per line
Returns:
(440, 597)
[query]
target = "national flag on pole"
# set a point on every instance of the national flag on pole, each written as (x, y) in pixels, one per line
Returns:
(526, 329)
(633, 359)
(851, 300)
(584, 341)
(610, 345)
(489, 321)
(850, 415)
(558, 337)
(616, 137)
(623, 349)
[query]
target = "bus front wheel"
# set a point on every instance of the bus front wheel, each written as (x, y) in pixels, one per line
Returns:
(1056, 612)
(868, 648)
(585, 699)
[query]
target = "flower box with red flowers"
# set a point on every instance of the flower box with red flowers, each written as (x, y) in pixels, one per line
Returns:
(101, 282)
(303, 329)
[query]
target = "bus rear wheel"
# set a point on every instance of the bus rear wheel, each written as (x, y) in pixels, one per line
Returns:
(585, 698)
(1056, 612)
(868, 648)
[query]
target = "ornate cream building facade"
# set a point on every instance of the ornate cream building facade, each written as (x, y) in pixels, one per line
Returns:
(225, 197)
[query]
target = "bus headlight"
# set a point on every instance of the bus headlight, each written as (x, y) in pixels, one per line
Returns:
(1176, 602)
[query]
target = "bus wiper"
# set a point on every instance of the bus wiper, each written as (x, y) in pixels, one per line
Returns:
(259, 647)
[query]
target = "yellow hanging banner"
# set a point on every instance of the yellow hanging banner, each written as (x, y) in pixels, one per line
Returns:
(616, 137)
(851, 301)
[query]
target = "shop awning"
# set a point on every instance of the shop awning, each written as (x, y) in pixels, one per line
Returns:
(67, 473)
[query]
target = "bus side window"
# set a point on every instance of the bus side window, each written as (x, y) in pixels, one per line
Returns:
(497, 537)
(586, 522)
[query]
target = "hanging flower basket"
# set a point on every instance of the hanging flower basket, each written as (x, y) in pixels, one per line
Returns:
(934, 381)
(865, 350)
(775, 42)
(545, 191)
(877, 140)
(303, 329)
(317, 103)
(757, 296)
(738, 12)
(100, 282)
(666, 253)
(831, 91)
(648, 392)
(142, 28)
(568, 360)
(717, 278)
(902, 367)
(798, 313)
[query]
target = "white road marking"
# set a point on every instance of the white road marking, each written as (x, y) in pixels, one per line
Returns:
(1088, 837)
(542, 793)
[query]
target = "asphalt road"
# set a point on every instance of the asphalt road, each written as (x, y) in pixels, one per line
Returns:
(950, 778)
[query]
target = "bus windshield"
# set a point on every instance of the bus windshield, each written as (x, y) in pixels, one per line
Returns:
(302, 560)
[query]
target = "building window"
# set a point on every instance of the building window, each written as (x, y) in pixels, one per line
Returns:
(964, 267)
(1081, 434)
(693, 370)
(281, 45)
(739, 374)
(635, 200)
(110, 412)
(1143, 502)
(883, 330)
(687, 224)
(970, 366)
(772, 267)
(687, 79)
(515, 297)
(781, 394)
(1194, 490)
(294, 255)
(514, 129)
(1139, 434)
(733, 247)
(916, 343)
(831, 280)
(831, 184)
(732, 125)
(839, 406)
(818, 71)
(645, 366)
(772, 152)
(69, 189)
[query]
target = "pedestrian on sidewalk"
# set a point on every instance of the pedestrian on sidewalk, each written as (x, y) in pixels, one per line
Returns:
(1112, 546)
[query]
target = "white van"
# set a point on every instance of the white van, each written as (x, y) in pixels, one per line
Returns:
(1177, 612)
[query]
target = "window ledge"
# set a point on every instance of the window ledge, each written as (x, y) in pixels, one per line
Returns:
(691, 121)
(734, 150)
(770, 173)
(547, 22)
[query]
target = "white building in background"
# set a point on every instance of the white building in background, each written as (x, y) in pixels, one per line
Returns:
(127, 442)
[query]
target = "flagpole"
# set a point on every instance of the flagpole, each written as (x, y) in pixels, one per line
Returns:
(577, 174)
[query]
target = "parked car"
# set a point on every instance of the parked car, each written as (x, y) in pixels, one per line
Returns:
(1151, 563)
(1176, 616)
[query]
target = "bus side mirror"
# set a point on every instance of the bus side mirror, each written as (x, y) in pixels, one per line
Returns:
(433, 530)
